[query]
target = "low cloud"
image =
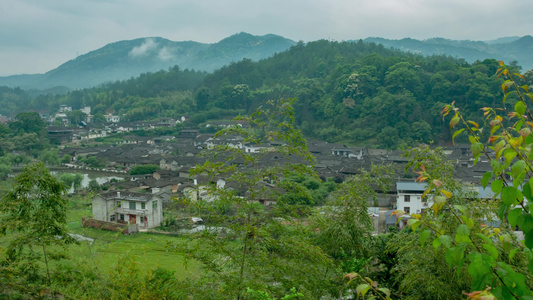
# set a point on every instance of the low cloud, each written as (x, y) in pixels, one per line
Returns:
(165, 54)
(142, 50)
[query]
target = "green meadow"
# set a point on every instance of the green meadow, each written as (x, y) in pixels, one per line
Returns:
(148, 251)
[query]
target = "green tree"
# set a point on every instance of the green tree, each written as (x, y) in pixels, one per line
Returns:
(66, 159)
(4, 130)
(241, 96)
(76, 116)
(94, 162)
(6, 146)
(490, 256)
(202, 98)
(246, 245)
(144, 169)
(50, 157)
(345, 225)
(28, 142)
(421, 131)
(71, 180)
(28, 122)
(5, 170)
(94, 185)
(34, 216)
(98, 118)
(402, 76)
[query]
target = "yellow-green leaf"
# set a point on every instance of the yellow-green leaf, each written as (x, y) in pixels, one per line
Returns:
(438, 204)
(362, 289)
(446, 193)
(413, 223)
(454, 121)
(520, 108)
(385, 291)
(456, 134)
(463, 209)
(474, 123)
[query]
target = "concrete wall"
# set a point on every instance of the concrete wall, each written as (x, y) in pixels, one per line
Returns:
(100, 209)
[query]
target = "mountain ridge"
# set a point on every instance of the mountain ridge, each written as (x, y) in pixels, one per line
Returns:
(130, 58)
(507, 49)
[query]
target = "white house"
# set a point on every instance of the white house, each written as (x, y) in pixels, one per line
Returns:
(86, 110)
(63, 108)
(145, 210)
(409, 197)
(254, 148)
(112, 118)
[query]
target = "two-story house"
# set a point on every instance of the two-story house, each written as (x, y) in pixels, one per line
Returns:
(409, 197)
(143, 209)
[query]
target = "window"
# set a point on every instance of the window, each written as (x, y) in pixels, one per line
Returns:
(154, 204)
(112, 218)
(143, 205)
(407, 209)
(121, 217)
(119, 203)
(407, 198)
(132, 205)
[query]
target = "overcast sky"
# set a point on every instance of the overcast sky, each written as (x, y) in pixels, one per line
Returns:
(39, 35)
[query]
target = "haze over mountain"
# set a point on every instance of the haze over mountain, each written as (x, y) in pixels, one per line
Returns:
(126, 59)
(507, 49)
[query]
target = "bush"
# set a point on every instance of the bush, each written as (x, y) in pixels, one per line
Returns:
(144, 169)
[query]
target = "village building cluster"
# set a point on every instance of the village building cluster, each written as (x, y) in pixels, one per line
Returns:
(141, 199)
(177, 155)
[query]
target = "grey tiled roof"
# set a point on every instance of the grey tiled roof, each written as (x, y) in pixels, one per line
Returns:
(125, 195)
(411, 186)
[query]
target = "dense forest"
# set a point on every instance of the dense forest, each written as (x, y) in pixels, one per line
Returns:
(351, 92)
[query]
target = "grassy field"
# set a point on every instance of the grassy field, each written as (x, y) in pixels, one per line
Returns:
(147, 250)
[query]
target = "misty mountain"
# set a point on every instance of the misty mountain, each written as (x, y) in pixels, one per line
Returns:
(507, 49)
(126, 59)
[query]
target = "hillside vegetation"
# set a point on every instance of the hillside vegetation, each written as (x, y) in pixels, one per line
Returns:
(352, 92)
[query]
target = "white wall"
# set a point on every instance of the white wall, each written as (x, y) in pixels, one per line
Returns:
(415, 203)
(103, 209)
(99, 209)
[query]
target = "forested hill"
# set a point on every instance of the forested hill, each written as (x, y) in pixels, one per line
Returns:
(358, 92)
(125, 59)
(352, 92)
